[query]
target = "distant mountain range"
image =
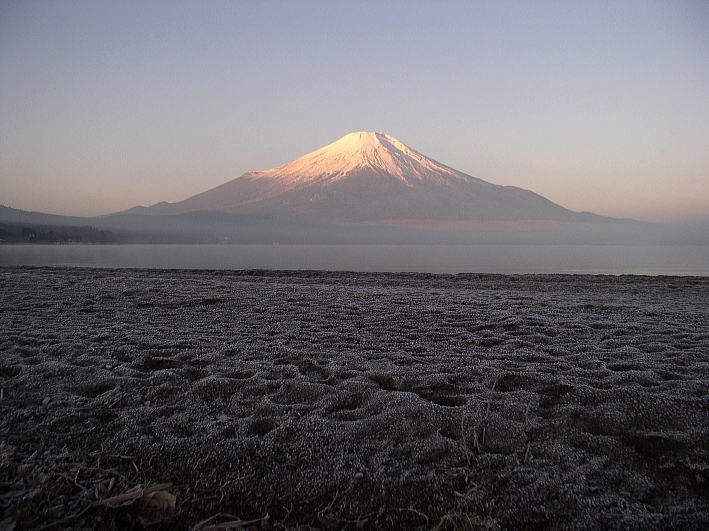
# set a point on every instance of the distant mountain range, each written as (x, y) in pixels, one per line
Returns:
(366, 187)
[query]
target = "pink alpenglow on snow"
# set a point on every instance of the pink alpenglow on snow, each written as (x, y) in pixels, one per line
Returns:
(370, 177)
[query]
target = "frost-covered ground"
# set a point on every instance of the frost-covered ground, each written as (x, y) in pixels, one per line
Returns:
(353, 400)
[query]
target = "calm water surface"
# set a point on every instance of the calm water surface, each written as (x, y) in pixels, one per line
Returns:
(609, 259)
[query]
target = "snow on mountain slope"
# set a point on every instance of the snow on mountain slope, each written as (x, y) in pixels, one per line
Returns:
(362, 151)
(369, 177)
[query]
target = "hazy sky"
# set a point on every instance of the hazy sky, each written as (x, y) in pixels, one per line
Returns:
(598, 105)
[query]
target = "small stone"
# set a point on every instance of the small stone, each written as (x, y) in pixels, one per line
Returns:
(45, 401)
(359, 475)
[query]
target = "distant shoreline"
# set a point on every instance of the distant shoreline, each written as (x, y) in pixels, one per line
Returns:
(315, 273)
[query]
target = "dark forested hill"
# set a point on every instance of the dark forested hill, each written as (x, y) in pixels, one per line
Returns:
(32, 233)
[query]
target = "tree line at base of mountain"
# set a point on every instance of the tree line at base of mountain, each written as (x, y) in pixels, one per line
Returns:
(30, 233)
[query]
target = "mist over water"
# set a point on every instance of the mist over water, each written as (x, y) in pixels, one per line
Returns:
(482, 258)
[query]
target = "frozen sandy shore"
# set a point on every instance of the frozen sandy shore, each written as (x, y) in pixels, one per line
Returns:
(352, 400)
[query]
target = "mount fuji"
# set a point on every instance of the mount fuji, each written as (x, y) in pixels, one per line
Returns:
(365, 187)
(369, 178)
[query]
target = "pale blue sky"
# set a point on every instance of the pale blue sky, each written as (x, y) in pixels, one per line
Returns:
(598, 105)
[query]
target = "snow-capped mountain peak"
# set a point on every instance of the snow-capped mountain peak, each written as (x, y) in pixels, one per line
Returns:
(369, 177)
(360, 151)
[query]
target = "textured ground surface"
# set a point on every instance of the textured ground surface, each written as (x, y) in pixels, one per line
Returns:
(353, 400)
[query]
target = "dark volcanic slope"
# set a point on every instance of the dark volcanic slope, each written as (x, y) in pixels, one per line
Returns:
(345, 400)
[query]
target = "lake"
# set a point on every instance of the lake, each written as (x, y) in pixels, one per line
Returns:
(488, 258)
